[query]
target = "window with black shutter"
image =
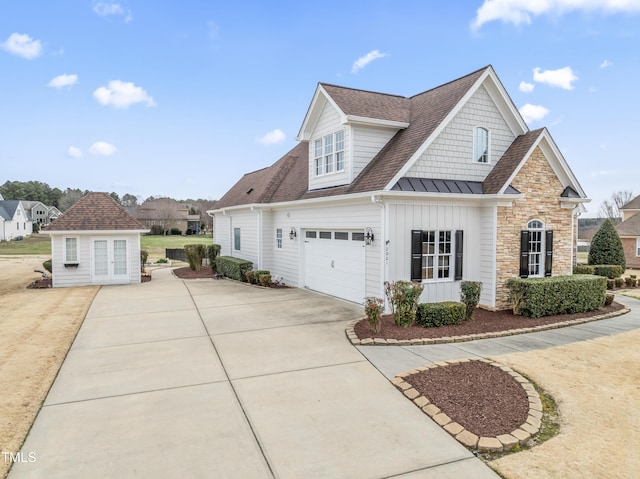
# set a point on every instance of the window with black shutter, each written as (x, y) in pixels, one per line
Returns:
(536, 250)
(436, 255)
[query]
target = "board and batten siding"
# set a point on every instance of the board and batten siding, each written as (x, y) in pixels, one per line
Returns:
(487, 258)
(328, 123)
(450, 155)
(405, 216)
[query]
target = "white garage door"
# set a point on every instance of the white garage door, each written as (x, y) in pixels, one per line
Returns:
(334, 263)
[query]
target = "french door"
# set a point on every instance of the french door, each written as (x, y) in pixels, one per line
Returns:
(110, 260)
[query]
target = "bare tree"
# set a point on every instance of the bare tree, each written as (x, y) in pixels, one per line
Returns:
(611, 208)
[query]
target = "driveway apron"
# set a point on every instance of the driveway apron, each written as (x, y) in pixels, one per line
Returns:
(216, 379)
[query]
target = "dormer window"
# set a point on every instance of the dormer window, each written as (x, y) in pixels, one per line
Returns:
(480, 145)
(329, 154)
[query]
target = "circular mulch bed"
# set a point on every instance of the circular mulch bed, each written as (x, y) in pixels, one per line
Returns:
(483, 321)
(482, 398)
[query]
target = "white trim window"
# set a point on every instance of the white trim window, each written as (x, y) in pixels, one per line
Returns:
(480, 145)
(279, 238)
(328, 154)
(536, 248)
(437, 255)
(637, 246)
(71, 250)
(236, 239)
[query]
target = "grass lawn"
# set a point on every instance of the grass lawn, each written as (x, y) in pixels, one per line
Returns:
(156, 245)
(34, 244)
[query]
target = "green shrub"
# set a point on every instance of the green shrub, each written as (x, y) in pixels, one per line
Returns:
(234, 268)
(36, 228)
(403, 297)
(432, 315)
(583, 269)
(156, 230)
(610, 284)
(609, 299)
(373, 308)
(606, 246)
(47, 265)
(265, 280)
(470, 296)
(144, 256)
(257, 273)
(195, 254)
(629, 281)
(611, 271)
(213, 250)
(250, 277)
(537, 297)
(163, 261)
(618, 282)
(175, 231)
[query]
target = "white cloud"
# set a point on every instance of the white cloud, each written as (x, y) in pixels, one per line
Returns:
(606, 64)
(121, 94)
(105, 9)
(22, 45)
(518, 12)
(102, 148)
(604, 173)
(364, 60)
(561, 78)
(272, 137)
(532, 113)
(74, 152)
(526, 87)
(63, 80)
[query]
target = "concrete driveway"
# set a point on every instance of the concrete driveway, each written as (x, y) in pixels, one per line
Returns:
(214, 379)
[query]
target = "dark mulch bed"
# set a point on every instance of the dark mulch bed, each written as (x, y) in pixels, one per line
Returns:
(41, 284)
(482, 398)
(483, 321)
(188, 273)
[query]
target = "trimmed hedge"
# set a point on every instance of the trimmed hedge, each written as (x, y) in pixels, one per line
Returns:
(47, 265)
(234, 268)
(265, 280)
(250, 277)
(257, 273)
(583, 269)
(432, 315)
(611, 271)
(213, 250)
(537, 297)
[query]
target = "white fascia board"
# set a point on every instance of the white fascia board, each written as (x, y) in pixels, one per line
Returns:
(505, 104)
(313, 113)
(93, 232)
(362, 120)
(418, 153)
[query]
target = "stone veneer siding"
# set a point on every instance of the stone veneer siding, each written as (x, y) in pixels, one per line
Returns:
(540, 200)
(630, 252)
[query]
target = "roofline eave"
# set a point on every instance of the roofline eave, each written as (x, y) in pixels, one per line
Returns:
(96, 232)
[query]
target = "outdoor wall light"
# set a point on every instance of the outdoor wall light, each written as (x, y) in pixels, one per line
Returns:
(292, 233)
(368, 238)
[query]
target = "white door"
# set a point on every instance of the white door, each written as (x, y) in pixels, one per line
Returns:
(334, 263)
(110, 260)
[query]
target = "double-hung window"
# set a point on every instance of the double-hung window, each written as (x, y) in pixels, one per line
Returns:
(328, 154)
(480, 145)
(436, 255)
(236, 239)
(71, 250)
(279, 238)
(536, 250)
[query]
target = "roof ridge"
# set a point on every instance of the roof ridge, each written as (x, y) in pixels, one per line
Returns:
(362, 90)
(451, 81)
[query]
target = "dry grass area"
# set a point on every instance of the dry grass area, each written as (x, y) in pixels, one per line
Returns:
(596, 385)
(38, 327)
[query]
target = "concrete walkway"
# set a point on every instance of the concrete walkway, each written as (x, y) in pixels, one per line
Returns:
(392, 360)
(214, 379)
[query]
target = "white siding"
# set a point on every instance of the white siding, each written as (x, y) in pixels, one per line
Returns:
(450, 156)
(247, 221)
(407, 216)
(488, 233)
(222, 233)
(329, 122)
(81, 275)
(367, 142)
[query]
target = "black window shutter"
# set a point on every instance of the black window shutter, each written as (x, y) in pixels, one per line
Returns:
(548, 248)
(459, 250)
(524, 254)
(416, 255)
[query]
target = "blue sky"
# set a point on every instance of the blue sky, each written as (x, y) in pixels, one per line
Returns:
(181, 99)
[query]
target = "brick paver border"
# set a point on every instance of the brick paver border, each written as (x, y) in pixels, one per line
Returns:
(503, 442)
(469, 337)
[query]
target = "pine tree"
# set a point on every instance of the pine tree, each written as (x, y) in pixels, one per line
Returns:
(606, 247)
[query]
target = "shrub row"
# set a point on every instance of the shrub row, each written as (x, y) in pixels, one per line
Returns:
(611, 271)
(234, 268)
(445, 313)
(537, 297)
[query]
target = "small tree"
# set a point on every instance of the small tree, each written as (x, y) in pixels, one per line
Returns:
(144, 256)
(470, 296)
(403, 297)
(606, 247)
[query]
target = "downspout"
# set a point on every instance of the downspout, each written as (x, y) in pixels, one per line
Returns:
(574, 242)
(384, 233)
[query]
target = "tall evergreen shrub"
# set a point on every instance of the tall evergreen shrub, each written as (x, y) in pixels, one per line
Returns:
(606, 247)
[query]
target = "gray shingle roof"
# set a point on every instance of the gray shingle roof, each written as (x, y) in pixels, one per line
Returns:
(8, 208)
(634, 204)
(630, 227)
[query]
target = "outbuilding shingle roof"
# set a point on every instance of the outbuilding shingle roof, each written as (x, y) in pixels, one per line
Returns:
(634, 204)
(95, 212)
(630, 227)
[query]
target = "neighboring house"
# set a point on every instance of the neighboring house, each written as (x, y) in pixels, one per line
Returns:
(629, 232)
(14, 220)
(41, 213)
(444, 186)
(168, 214)
(95, 241)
